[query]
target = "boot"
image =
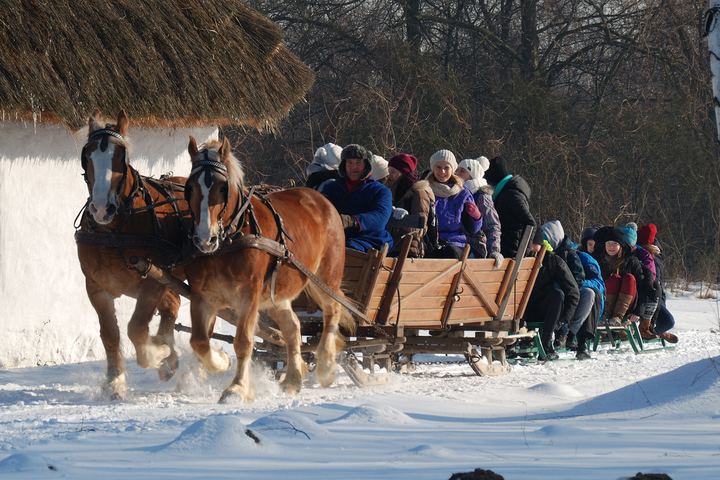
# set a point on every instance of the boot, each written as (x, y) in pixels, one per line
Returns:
(550, 354)
(669, 337)
(572, 342)
(610, 300)
(646, 329)
(622, 305)
(560, 342)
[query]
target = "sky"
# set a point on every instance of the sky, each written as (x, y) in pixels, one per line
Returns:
(607, 418)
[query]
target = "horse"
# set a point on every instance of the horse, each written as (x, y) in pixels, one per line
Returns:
(127, 214)
(243, 241)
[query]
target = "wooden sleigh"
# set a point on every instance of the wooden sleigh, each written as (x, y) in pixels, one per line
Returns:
(433, 306)
(411, 306)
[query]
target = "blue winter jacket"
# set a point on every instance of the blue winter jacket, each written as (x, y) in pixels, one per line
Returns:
(371, 204)
(593, 277)
(449, 211)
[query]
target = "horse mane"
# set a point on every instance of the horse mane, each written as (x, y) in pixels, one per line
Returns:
(236, 175)
(81, 136)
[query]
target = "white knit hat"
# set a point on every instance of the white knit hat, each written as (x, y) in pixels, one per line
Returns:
(328, 156)
(443, 156)
(379, 167)
(474, 167)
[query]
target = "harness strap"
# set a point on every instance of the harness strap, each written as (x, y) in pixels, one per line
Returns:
(236, 219)
(276, 249)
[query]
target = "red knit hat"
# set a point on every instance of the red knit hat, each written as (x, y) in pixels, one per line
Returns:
(403, 163)
(646, 234)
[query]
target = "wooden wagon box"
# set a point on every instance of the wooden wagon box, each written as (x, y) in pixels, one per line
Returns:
(450, 306)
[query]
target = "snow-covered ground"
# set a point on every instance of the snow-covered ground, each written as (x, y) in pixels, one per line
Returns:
(606, 418)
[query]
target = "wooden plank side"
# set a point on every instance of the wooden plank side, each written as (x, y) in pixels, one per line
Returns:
(452, 269)
(478, 288)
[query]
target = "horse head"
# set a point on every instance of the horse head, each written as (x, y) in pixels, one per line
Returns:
(215, 182)
(105, 163)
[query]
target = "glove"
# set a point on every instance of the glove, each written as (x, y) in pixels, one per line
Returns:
(498, 259)
(349, 221)
(399, 213)
(472, 210)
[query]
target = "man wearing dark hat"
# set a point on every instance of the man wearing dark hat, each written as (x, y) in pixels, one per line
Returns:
(364, 204)
(512, 203)
(554, 296)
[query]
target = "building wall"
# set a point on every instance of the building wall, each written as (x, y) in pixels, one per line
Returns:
(45, 316)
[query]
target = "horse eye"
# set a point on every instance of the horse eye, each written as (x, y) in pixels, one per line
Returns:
(224, 189)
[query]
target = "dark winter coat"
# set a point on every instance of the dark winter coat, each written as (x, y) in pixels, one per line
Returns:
(512, 203)
(566, 251)
(371, 204)
(554, 273)
(315, 180)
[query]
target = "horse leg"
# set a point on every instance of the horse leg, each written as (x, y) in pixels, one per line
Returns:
(168, 309)
(290, 328)
(202, 315)
(242, 385)
(328, 348)
(149, 353)
(104, 305)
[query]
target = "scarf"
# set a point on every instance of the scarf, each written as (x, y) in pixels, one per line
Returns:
(474, 184)
(443, 190)
(500, 186)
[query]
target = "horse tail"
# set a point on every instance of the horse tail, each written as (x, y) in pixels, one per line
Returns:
(346, 321)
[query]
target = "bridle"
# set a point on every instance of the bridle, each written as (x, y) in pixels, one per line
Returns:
(106, 133)
(199, 168)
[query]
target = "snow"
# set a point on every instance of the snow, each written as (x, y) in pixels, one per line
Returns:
(609, 418)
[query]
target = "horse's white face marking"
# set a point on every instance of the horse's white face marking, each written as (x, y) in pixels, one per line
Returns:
(103, 194)
(205, 229)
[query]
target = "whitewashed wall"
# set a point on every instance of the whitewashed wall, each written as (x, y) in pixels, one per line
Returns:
(45, 316)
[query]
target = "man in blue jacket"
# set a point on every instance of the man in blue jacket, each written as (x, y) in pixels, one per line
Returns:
(364, 205)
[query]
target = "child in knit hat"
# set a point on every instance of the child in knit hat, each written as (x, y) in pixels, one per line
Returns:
(485, 243)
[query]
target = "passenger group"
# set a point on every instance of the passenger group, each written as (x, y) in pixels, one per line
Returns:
(612, 278)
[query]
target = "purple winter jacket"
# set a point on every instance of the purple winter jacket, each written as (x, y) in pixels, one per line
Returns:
(646, 259)
(449, 211)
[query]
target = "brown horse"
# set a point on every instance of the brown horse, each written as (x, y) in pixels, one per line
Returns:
(236, 275)
(129, 215)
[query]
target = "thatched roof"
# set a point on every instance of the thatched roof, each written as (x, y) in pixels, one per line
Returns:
(167, 62)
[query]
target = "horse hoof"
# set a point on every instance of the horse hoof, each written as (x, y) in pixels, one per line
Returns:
(291, 387)
(236, 392)
(326, 373)
(167, 370)
(114, 393)
(328, 380)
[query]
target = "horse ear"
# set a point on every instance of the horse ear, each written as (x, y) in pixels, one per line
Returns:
(94, 121)
(225, 148)
(123, 122)
(192, 147)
